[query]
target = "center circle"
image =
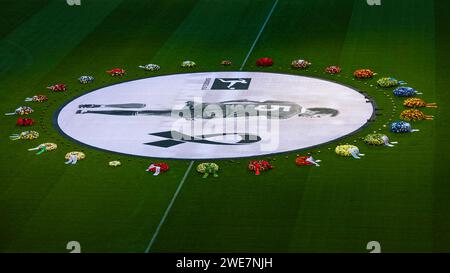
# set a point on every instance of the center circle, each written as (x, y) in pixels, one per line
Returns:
(214, 115)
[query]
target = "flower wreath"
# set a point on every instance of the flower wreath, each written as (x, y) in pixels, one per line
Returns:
(259, 166)
(264, 62)
(306, 161)
(414, 115)
(58, 87)
(348, 151)
(333, 70)
(378, 140)
(364, 74)
(116, 72)
(24, 121)
(405, 92)
(401, 127)
(418, 103)
(389, 82)
(27, 135)
(86, 79)
(188, 64)
(79, 155)
(21, 111)
(150, 67)
(208, 168)
(37, 98)
(154, 167)
(300, 64)
(226, 63)
(114, 163)
(44, 147)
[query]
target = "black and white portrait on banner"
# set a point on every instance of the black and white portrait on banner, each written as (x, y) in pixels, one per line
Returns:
(214, 115)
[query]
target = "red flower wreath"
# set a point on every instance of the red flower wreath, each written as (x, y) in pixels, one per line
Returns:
(259, 166)
(264, 62)
(164, 167)
(333, 70)
(303, 161)
(25, 122)
(58, 87)
(116, 72)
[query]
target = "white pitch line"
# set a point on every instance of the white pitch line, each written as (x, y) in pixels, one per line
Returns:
(175, 195)
(166, 213)
(259, 35)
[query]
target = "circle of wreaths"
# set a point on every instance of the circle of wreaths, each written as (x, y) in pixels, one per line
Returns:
(377, 139)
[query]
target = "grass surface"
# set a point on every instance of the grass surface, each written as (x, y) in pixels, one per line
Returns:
(395, 196)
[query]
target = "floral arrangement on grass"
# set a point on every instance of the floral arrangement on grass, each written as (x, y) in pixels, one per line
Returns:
(27, 135)
(414, 115)
(401, 127)
(307, 161)
(60, 87)
(333, 70)
(378, 140)
(21, 111)
(389, 82)
(116, 72)
(259, 166)
(405, 92)
(114, 163)
(264, 62)
(364, 74)
(208, 168)
(86, 79)
(37, 98)
(157, 168)
(78, 155)
(300, 64)
(226, 63)
(150, 67)
(418, 103)
(25, 122)
(42, 148)
(188, 64)
(374, 139)
(348, 151)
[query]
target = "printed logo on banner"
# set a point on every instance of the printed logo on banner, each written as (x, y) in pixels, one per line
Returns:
(231, 84)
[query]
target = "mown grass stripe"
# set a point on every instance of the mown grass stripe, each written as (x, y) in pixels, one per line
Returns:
(259, 35)
(166, 213)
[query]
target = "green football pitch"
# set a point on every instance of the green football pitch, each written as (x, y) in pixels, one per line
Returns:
(396, 196)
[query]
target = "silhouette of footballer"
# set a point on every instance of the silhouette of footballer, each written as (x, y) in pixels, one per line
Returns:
(225, 109)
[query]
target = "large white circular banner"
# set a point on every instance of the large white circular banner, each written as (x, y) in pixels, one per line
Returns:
(214, 115)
